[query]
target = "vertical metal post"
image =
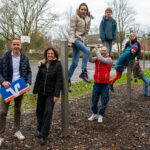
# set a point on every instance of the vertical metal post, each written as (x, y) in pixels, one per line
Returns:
(129, 83)
(64, 95)
(144, 51)
(148, 48)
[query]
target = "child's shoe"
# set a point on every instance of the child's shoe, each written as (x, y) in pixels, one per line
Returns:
(146, 95)
(69, 85)
(111, 87)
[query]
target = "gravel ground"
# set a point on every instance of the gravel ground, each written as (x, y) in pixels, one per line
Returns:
(125, 126)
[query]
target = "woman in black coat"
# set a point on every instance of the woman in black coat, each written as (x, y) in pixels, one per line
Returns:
(47, 90)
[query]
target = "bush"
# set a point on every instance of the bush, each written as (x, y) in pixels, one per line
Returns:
(81, 54)
(94, 53)
(35, 56)
(147, 55)
(70, 53)
(116, 55)
(1, 52)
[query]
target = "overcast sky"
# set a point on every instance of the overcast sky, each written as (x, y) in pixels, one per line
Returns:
(97, 8)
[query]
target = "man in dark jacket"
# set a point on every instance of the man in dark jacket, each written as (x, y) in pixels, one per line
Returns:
(13, 65)
(108, 30)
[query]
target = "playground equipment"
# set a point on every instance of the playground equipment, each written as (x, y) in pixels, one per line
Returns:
(64, 94)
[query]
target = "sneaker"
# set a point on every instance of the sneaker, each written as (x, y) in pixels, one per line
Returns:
(1, 141)
(111, 87)
(93, 117)
(84, 76)
(100, 119)
(19, 135)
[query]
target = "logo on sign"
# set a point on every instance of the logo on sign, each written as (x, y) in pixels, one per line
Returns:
(16, 91)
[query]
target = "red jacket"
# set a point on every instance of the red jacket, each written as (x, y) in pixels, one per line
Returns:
(102, 72)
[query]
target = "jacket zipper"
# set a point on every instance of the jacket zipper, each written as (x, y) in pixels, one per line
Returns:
(106, 77)
(45, 81)
(98, 71)
(85, 26)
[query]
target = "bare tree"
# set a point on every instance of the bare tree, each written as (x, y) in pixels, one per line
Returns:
(148, 32)
(125, 17)
(94, 29)
(63, 29)
(136, 28)
(22, 17)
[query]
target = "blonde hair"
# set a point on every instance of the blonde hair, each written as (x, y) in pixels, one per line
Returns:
(132, 34)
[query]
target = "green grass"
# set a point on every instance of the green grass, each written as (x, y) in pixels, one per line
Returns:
(79, 90)
(123, 79)
(28, 102)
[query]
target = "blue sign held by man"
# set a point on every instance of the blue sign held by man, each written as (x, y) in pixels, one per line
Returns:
(16, 88)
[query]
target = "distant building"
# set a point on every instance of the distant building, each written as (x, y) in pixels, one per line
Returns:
(94, 39)
(147, 44)
(33, 51)
(56, 43)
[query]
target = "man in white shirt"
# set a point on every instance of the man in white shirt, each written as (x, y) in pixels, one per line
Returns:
(13, 65)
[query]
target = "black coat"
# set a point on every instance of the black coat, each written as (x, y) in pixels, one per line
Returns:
(130, 43)
(49, 81)
(6, 68)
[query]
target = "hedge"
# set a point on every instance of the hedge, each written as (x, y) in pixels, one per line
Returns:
(115, 54)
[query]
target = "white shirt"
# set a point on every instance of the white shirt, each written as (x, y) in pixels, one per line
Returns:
(16, 66)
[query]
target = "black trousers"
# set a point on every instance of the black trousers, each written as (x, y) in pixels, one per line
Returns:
(44, 114)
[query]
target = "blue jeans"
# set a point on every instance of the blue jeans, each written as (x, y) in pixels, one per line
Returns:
(103, 90)
(77, 47)
(147, 83)
(109, 46)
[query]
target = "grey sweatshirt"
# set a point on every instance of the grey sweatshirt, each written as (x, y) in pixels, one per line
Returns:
(107, 61)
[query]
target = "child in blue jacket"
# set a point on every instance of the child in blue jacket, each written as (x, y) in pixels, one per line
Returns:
(123, 61)
(108, 30)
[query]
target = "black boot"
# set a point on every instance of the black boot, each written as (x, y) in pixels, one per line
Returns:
(38, 134)
(146, 95)
(84, 76)
(69, 85)
(43, 140)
